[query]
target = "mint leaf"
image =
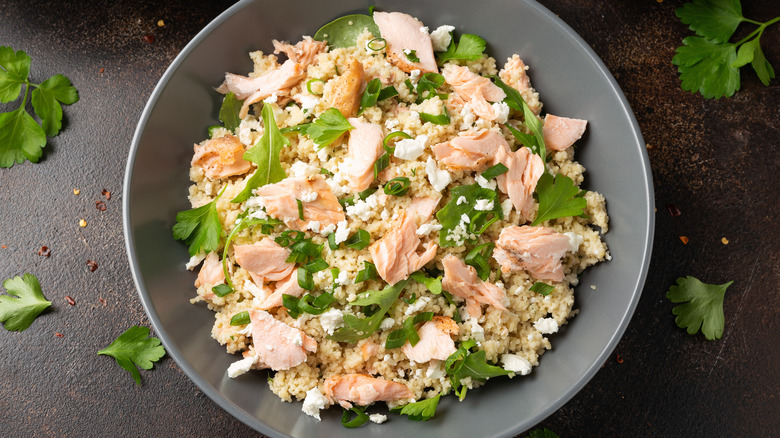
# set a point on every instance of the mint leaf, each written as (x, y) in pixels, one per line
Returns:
(132, 348)
(422, 410)
(199, 227)
(20, 138)
(14, 72)
(229, 111)
(558, 198)
(46, 101)
(703, 306)
(713, 19)
(469, 48)
(24, 302)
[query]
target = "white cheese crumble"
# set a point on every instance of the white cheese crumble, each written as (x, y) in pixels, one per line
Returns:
(546, 325)
(441, 38)
(414, 115)
(485, 184)
(483, 205)
(391, 124)
(435, 369)
(258, 214)
(309, 196)
(323, 154)
(342, 279)
(506, 207)
(468, 117)
(502, 111)
(377, 418)
(416, 306)
(298, 340)
(360, 209)
(271, 99)
(314, 226)
(516, 364)
(461, 200)
(426, 229)
(477, 331)
(439, 178)
(195, 260)
(464, 219)
(314, 403)
(327, 230)
(302, 170)
(246, 331)
(252, 288)
(414, 76)
(410, 148)
(342, 232)
(575, 240)
(255, 202)
(240, 367)
(332, 320)
(309, 102)
(387, 324)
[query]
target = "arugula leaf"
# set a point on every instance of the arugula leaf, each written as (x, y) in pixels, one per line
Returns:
(713, 19)
(266, 155)
(455, 230)
(558, 198)
(422, 410)
(343, 32)
(228, 112)
(360, 328)
(469, 48)
(132, 348)
(24, 302)
(703, 306)
(200, 227)
(706, 67)
(328, 127)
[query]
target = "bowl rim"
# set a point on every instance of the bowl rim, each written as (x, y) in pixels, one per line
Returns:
(251, 421)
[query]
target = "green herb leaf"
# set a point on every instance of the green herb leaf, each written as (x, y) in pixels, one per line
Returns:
(307, 304)
(245, 222)
(316, 265)
(469, 48)
(433, 284)
(14, 72)
(558, 198)
(387, 93)
(367, 273)
(455, 231)
(422, 410)
(370, 95)
(358, 421)
(462, 363)
(762, 67)
(308, 86)
(706, 67)
(240, 318)
(300, 209)
(266, 155)
(20, 138)
(713, 19)
(288, 237)
(703, 306)
(344, 31)
(199, 228)
(328, 127)
(494, 171)
(134, 348)
(542, 288)
(358, 240)
(221, 290)
(360, 328)
(428, 86)
(228, 112)
(439, 119)
(381, 164)
(23, 303)
(397, 338)
(479, 258)
(411, 55)
(46, 101)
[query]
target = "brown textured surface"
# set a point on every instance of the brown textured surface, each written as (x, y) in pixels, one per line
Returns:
(715, 160)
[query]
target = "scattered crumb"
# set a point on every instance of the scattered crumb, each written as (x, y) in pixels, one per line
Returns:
(593, 286)
(724, 241)
(82, 223)
(160, 23)
(76, 191)
(44, 251)
(59, 335)
(684, 239)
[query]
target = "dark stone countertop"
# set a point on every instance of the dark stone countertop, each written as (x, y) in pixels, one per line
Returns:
(716, 160)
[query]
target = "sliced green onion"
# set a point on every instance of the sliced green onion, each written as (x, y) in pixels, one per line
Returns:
(358, 421)
(367, 192)
(241, 318)
(334, 272)
(412, 55)
(397, 186)
(369, 273)
(358, 240)
(441, 119)
(316, 305)
(289, 237)
(427, 86)
(346, 202)
(370, 95)
(381, 164)
(324, 171)
(290, 303)
(387, 93)
(391, 136)
(308, 86)
(478, 258)
(494, 171)
(332, 242)
(300, 209)
(376, 44)
(542, 288)
(305, 279)
(396, 339)
(221, 290)
(316, 265)
(302, 251)
(411, 300)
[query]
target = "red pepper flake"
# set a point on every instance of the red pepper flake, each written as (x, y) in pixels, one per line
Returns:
(673, 210)
(102, 300)
(618, 359)
(70, 300)
(4, 246)
(102, 70)
(100, 205)
(107, 194)
(44, 251)
(149, 39)
(59, 335)
(684, 239)
(92, 265)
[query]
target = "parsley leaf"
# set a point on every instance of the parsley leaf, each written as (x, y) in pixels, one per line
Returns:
(713, 19)
(360, 328)
(132, 348)
(199, 227)
(469, 48)
(706, 66)
(228, 112)
(328, 127)
(266, 155)
(558, 198)
(24, 302)
(21, 137)
(461, 221)
(422, 410)
(703, 306)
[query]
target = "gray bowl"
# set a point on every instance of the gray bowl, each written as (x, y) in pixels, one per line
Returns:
(572, 82)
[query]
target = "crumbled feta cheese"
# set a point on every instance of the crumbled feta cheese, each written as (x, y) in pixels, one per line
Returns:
(483, 205)
(323, 154)
(252, 288)
(332, 320)
(342, 232)
(195, 260)
(593, 286)
(464, 218)
(309, 102)
(240, 367)
(271, 99)
(502, 111)
(258, 214)
(435, 369)
(342, 279)
(410, 149)
(516, 364)
(414, 76)
(439, 178)
(407, 52)
(377, 418)
(387, 324)
(301, 169)
(246, 331)
(546, 325)
(255, 202)
(391, 124)
(441, 37)
(314, 403)
(575, 240)
(414, 115)
(461, 200)
(335, 183)
(328, 229)
(297, 339)
(506, 207)
(418, 305)
(314, 226)
(477, 331)
(360, 209)
(309, 196)
(485, 184)
(468, 116)
(426, 229)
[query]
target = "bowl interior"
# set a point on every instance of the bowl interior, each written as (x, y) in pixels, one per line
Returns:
(571, 81)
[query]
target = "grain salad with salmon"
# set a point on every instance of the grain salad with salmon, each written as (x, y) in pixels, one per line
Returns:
(385, 215)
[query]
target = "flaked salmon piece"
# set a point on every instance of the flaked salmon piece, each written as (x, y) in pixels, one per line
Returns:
(344, 93)
(277, 345)
(537, 250)
(304, 53)
(402, 32)
(474, 89)
(461, 280)
(561, 132)
(514, 74)
(470, 150)
(519, 182)
(265, 260)
(287, 286)
(221, 157)
(364, 148)
(421, 208)
(435, 341)
(251, 90)
(362, 390)
(280, 201)
(395, 254)
(368, 349)
(210, 275)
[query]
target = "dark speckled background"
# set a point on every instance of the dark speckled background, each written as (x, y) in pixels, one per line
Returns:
(717, 161)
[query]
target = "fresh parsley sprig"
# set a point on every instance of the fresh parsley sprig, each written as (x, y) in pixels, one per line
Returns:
(558, 197)
(703, 306)
(21, 137)
(422, 410)
(469, 48)
(356, 328)
(708, 63)
(24, 302)
(199, 227)
(135, 348)
(463, 363)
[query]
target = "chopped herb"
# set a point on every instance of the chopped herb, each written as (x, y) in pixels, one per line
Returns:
(411, 55)
(324, 171)
(387, 93)
(542, 288)
(422, 410)
(307, 304)
(200, 227)
(462, 363)
(411, 300)
(397, 338)
(703, 306)
(266, 227)
(494, 171)
(397, 186)
(433, 284)
(370, 95)
(213, 129)
(376, 44)
(228, 112)
(515, 101)
(381, 164)
(358, 240)
(455, 230)
(300, 208)
(428, 85)
(23, 303)
(328, 127)
(316, 265)
(441, 119)
(558, 198)
(221, 290)
(134, 348)
(305, 279)
(358, 421)
(332, 242)
(241, 318)
(360, 328)
(308, 86)
(344, 31)
(469, 48)
(367, 273)
(478, 258)
(288, 237)
(304, 250)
